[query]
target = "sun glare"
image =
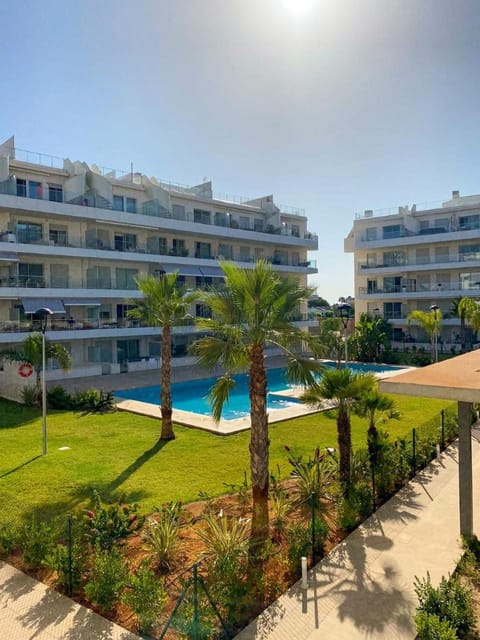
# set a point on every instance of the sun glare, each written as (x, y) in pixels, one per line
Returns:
(299, 7)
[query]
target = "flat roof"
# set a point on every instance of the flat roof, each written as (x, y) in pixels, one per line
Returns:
(455, 379)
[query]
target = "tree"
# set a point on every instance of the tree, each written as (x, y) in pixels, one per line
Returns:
(164, 305)
(460, 313)
(370, 337)
(31, 353)
(253, 309)
(330, 341)
(344, 388)
(470, 310)
(370, 405)
(431, 323)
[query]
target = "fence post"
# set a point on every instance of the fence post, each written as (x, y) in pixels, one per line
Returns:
(414, 450)
(196, 634)
(69, 556)
(312, 504)
(442, 432)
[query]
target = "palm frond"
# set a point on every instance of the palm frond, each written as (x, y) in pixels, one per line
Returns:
(219, 394)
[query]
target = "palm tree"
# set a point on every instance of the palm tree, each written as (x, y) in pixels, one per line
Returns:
(460, 313)
(431, 323)
(470, 309)
(31, 353)
(164, 305)
(344, 388)
(253, 309)
(369, 405)
(370, 337)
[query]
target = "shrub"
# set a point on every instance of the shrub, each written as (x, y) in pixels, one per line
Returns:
(146, 597)
(226, 541)
(313, 478)
(280, 505)
(450, 602)
(242, 492)
(93, 401)
(161, 535)
(299, 543)
(31, 395)
(104, 524)
(8, 538)
(108, 576)
(36, 542)
(59, 562)
(59, 398)
(430, 627)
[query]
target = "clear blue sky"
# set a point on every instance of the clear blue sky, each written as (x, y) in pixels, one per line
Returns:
(353, 105)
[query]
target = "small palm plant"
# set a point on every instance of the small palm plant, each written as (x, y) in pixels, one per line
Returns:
(431, 323)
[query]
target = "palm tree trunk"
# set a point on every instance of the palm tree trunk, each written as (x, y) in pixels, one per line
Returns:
(166, 396)
(344, 446)
(259, 443)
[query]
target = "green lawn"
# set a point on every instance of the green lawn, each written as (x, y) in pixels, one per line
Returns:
(120, 452)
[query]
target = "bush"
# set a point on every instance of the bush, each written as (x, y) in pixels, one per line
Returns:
(106, 524)
(430, 627)
(36, 542)
(280, 505)
(161, 535)
(450, 602)
(313, 478)
(31, 395)
(299, 543)
(146, 597)
(59, 398)
(108, 576)
(8, 538)
(226, 542)
(59, 562)
(93, 401)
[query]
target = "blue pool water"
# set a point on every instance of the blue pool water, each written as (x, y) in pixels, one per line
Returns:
(192, 395)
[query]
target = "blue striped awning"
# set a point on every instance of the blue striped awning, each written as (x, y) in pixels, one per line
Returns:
(32, 305)
(182, 269)
(8, 256)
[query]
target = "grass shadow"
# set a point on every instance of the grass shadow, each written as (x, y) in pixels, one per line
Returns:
(136, 464)
(20, 466)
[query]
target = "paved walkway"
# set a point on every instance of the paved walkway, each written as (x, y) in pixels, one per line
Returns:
(364, 588)
(31, 611)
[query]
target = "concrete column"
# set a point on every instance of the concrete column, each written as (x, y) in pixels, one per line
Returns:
(465, 468)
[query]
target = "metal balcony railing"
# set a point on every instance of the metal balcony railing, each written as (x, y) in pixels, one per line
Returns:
(424, 289)
(434, 261)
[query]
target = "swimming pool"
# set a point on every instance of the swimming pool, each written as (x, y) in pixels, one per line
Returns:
(192, 395)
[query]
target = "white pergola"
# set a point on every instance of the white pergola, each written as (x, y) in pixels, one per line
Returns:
(457, 379)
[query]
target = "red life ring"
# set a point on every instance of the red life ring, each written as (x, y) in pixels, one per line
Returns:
(25, 370)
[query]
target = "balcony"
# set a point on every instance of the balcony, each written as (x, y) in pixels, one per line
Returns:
(412, 262)
(444, 290)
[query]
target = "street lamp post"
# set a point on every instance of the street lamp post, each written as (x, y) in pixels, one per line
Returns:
(434, 309)
(43, 317)
(344, 315)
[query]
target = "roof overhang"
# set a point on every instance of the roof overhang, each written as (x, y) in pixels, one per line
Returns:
(456, 379)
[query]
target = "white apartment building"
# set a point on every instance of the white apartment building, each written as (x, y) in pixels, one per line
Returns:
(74, 238)
(416, 257)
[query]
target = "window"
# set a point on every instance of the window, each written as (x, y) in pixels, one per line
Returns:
(203, 250)
(392, 231)
(244, 223)
(131, 205)
(392, 284)
(34, 189)
(392, 310)
(371, 233)
(225, 251)
(422, 256)
(128, 350)
(118, 203)
(199, 215)
(178, 211)
(178, 247)
(125, 278)
(157, 246)
(371, 259)
(30, 275)
(58, 237)
(465, 223)
(55, 193)
(470, 280)
(59, 276)
(99, 278)
(295, 258)
(393, 258)
(125, 242)
(442, 254)
(372, 286)
(245, 254)
(280, 256)
(296, 230)
(202, 311)
(21, 187)
(29, 232)
(222, 219)
(469, 252)
(202, 282)
(424, 224)
(258, 224)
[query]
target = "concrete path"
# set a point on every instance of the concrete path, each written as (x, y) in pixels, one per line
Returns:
(31, 611)
(364, 588)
